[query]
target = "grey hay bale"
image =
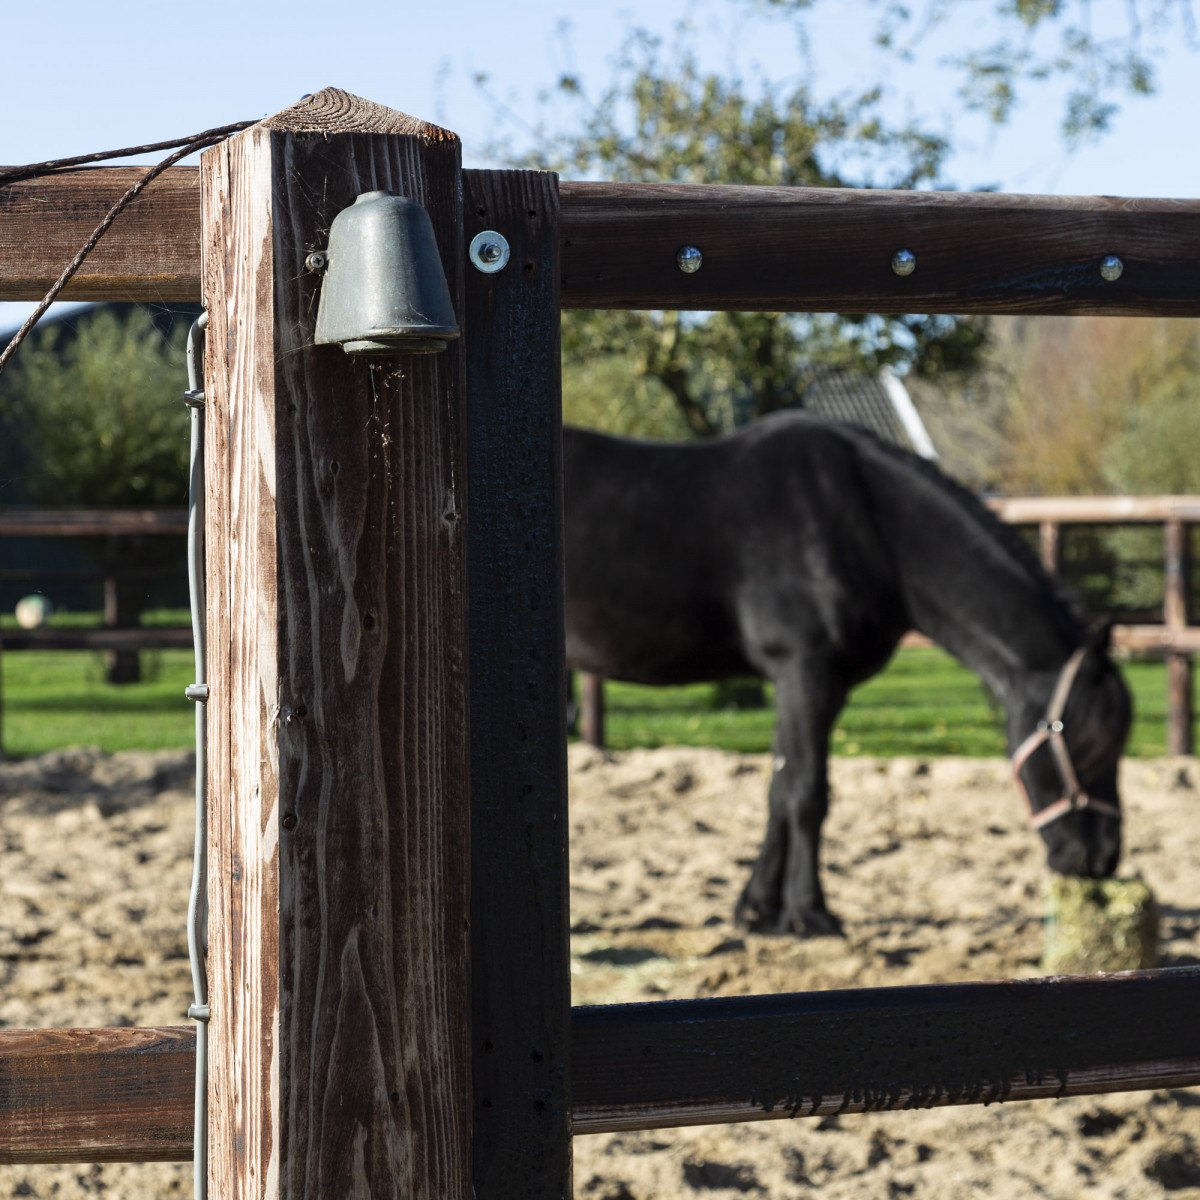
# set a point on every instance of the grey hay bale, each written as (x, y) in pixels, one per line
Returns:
(1099, 925)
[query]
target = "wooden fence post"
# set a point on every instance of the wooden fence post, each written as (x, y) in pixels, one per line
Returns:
(1050, 546)
(591, 708)
(123, 666)
(339, 852)
(521, 981)
(1175, 618)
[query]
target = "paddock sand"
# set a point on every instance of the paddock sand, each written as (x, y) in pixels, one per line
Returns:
(930, 864)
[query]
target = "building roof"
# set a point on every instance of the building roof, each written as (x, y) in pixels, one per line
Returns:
(880, 403)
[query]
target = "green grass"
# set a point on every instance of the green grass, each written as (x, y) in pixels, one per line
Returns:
(923, 704)
(55, 698)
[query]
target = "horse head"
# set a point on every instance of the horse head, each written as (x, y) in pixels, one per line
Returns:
(1067, 765)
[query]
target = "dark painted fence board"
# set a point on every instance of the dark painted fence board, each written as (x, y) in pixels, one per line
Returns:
(520, 907)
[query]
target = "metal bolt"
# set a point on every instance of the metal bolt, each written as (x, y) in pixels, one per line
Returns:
(197, 692)
(489, 251)
(318, 260)
(1111, 267)
(904, 262)
(689, 259)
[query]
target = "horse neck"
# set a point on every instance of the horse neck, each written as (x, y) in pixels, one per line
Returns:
(969, 587)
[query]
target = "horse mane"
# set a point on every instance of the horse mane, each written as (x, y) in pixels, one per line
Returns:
(983, 518)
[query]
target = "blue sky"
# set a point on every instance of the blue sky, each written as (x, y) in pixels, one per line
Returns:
(83, 76)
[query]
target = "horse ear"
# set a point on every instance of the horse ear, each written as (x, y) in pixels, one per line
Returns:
(1099, 636)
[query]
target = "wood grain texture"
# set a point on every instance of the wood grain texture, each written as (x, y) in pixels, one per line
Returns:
(767, 248)
(829, 249)
(338, 747)
(737, 1058)
(520, 906)
(96, 1095)
(332, 110)
(151, 253)
(697, 1062)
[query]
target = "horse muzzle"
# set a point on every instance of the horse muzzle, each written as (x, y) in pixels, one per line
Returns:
(1085, 843)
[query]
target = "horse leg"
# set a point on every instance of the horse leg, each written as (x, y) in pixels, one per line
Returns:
(784, 893)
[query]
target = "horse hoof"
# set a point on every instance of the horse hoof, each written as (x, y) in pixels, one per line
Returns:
(817, 923)
(755, 919)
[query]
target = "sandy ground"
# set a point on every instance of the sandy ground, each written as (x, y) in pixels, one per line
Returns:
(930, 865)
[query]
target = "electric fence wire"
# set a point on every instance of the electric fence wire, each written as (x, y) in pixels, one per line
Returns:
(197, 925)
(9, 175)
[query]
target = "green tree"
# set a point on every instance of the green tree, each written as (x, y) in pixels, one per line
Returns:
(99, 414)
(663, 119)
(1098, 55)
(96, 411)
(1155, 450)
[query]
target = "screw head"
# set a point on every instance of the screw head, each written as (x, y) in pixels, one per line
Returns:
(1111, 268)
(489, 251)
(318, 260)
(904, 262)
(689, 259)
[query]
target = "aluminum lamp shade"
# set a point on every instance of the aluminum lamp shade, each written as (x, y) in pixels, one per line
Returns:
(384, 292)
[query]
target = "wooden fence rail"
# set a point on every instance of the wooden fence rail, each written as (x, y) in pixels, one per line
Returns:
(120, 637)
(112, 1094)
(799, 249)
(389, 1008)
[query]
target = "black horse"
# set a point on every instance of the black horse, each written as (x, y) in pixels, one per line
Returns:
(802, 550)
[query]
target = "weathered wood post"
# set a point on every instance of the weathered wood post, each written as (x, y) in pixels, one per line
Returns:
(122, 666)
(591, 708)
(337, 714)
(1175, 618)
(1050, 546)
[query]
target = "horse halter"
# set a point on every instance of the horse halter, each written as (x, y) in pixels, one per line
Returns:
(1050, 729)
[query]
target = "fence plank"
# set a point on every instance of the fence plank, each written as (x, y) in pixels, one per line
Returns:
(338, 740)
(121, 640)
(91, 522)
(697, 1062)
(829, 249)
(151, 253)
(520, 906)
(808, 249)
(1095, 510)
(96, 1095)
(736, 1058)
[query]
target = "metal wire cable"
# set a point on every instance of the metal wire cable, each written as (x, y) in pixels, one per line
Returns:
(197, 142)
(55, 165)
(197, 930)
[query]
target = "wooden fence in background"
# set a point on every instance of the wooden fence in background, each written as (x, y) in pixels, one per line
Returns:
(120, 637)
(1175, 639)
(117, 633)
